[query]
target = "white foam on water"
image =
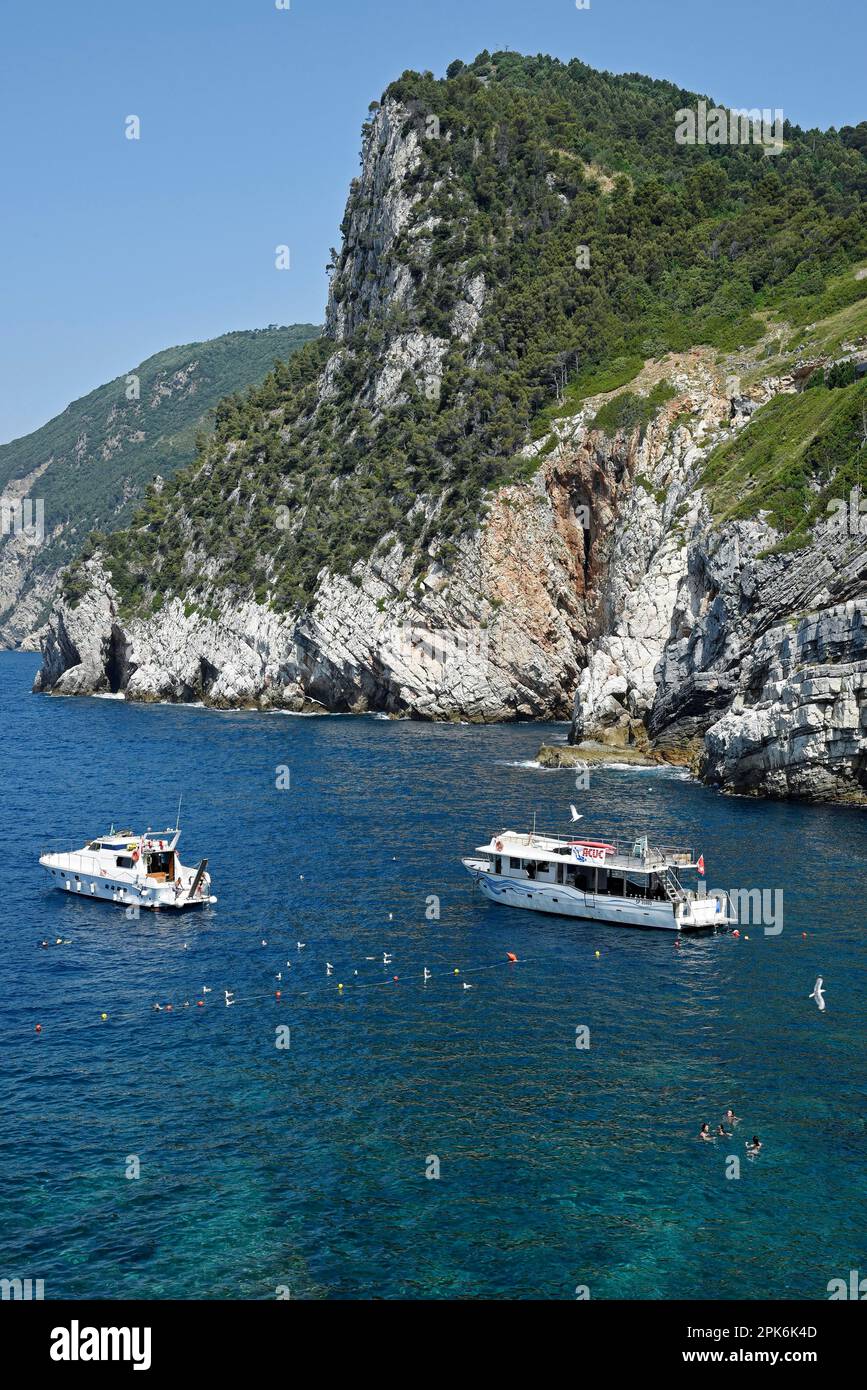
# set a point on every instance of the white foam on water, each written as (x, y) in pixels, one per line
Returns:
(528, 762)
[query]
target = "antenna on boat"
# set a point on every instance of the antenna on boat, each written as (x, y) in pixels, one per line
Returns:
(178, 821)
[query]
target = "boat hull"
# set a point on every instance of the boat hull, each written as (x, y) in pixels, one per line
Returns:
(560, 901)
(121, 893)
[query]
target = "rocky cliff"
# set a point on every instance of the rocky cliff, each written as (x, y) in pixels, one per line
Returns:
(716, 638)
(318, 554)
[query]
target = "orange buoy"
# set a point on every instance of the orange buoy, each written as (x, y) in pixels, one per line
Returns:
(39, 1027)
(510, 955)
(277, 994)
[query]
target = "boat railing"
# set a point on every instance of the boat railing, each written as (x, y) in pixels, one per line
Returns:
(72, 862)
(637, 850)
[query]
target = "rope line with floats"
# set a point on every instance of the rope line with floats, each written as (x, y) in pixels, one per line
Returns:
(229, 997)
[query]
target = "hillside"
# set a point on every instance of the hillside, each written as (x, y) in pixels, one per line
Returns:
(544, 408)
(91, 463)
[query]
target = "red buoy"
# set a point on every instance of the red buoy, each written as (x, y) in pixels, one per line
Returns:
(510, 955)
(39, 1027)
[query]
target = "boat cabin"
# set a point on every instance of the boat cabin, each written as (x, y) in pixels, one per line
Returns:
(585, 877)
(628, 869)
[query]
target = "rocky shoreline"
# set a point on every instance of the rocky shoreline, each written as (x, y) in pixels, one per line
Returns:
(599, 588)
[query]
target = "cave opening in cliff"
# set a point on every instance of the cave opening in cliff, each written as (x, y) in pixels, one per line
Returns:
(208, 674)
(117, 669)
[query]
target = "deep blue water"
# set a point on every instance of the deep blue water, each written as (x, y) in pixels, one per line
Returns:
(305, 1167)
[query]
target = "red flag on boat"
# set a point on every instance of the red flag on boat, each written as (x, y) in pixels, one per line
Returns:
(700, 864)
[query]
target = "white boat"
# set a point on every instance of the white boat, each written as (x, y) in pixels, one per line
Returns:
(629, 884)
(144, 871)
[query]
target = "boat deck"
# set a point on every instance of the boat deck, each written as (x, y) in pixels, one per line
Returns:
(620, 854)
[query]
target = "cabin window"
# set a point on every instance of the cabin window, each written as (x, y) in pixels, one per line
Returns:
(514, 864)
(559, 875)
(96, 845)
(123, 861)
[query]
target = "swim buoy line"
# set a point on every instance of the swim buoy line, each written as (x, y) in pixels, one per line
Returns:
(193, 1002)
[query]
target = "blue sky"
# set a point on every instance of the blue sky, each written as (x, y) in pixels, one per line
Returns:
(111, 249)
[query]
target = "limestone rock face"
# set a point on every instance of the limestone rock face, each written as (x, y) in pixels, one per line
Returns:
(800, 727)
(365, 280)
(499, 637)
(82, 647)
(661, 516)
(767, 664)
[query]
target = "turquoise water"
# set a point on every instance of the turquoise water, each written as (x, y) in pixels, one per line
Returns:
(304, 1167)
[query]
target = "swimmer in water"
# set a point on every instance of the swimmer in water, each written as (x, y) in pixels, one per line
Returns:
(722, 1132)
(753, 1146)
(704, 1132)
(730, 1118)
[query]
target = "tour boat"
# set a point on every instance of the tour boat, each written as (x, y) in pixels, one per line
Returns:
(626, 883)
(144, 871)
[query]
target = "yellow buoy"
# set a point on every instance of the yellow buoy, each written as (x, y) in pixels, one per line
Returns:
(103, 1016)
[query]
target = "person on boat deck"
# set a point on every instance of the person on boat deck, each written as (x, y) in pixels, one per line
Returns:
(704, 1132)
(753, 1146)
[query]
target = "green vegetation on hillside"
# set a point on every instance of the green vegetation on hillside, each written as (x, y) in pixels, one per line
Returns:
(797, 454)
(627, 411)
(105, 448)
(586, 277)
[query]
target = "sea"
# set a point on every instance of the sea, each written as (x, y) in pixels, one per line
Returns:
(347, 1128)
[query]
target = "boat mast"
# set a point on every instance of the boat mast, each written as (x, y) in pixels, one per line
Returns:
(178, 821)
